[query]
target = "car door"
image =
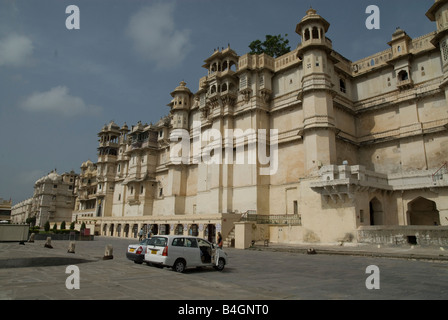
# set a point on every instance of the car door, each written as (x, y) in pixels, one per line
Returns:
(176, 249)
(192, 253)
(207, 252)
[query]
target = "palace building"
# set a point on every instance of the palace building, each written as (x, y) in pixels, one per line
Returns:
(361, 148)
(53, 200)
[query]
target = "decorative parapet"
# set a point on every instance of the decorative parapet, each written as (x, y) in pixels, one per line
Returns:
(337, 183)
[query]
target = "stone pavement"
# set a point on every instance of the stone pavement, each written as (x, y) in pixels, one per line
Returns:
(31, 271)
(415, 252)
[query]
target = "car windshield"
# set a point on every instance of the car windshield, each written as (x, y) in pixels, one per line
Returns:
(157, 241)
(144, 242)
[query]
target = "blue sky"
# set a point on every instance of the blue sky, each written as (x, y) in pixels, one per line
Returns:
(58, 87)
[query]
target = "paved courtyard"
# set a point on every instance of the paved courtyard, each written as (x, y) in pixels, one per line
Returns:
(31, 271)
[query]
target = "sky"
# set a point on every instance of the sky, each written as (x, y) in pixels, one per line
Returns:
(60, 86)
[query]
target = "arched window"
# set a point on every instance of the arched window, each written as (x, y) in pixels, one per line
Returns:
(403, 75)
(307, 34)
(315, 33)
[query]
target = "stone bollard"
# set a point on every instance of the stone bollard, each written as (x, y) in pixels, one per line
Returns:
(48, 243)
(108, 254)
(71, 247)
(31, 239)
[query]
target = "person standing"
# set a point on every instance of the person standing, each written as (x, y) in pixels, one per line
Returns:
(140, 234)
(219, 242)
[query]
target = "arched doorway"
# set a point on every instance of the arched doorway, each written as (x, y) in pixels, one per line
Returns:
(179, 230)
(194, 230)
(164, 229)
(154, 229)
(210, 233)
(376, 212)
(423, 212)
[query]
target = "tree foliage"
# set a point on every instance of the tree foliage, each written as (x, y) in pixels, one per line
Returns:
(274, 46)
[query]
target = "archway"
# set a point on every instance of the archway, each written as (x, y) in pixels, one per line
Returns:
(179, 230)
(164, 229)
(423, 212)
(210, 233)
(194, 230)
(376, 212)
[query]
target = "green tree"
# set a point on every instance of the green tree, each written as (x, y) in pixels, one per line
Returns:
(72, 225)
(55, 227)
(47, 226)
(62, 225)
(274, 46)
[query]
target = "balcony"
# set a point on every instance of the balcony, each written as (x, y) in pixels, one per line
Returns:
(405, 84)
(283, 219)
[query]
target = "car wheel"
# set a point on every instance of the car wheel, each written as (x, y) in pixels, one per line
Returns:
(221, 264)
(179, 266)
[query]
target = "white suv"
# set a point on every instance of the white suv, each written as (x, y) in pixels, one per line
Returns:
(181, 252)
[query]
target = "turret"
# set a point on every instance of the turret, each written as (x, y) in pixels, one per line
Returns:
(317, 91)
(439, 14)
(180, 106)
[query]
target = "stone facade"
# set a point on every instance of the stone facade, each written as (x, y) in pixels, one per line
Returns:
(358, 144)
(53, 200)
(5, 210)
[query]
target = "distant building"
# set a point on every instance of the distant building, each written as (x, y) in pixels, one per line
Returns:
(53, 200)
(5, 210)
(362, 147)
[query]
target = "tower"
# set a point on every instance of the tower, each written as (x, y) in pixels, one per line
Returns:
(316, 93)
(107, 159)
(439, 14)
(180, 106)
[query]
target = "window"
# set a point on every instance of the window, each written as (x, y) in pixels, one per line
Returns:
(342, 86)
(307, 34)
(161, 192)
(315, 33)
(191, 243)
(178, 242)
(444, 45)
(403, 75)
(141, 189)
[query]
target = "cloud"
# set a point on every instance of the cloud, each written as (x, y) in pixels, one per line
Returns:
(155, 36)
(58, 101)
(15, 50)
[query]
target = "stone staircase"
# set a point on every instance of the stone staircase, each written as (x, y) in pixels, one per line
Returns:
(229, 242)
